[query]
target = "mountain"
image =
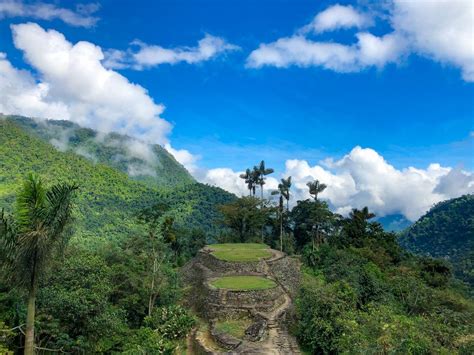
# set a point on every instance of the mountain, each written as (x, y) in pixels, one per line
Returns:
(394, 222)
(446, 231)
(108, 199)
(141, 161)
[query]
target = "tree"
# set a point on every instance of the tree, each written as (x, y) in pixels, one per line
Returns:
(284, 192)
(244, 217)
(315, 187)
(312, 222)
(250, 180)
(357, 225)
(32, 236)
(260, 172)
(153, 216)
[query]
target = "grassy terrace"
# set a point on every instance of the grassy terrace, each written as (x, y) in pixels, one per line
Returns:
(234, 327)
(243, 283)
(240, 251)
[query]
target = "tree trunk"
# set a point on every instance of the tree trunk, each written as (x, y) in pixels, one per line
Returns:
(281, 230)
(152, 298)
(30, 322)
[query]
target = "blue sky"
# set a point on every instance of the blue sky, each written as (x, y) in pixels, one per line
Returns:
(410, 103)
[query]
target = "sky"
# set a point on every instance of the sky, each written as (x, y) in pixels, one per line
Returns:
(373, 98)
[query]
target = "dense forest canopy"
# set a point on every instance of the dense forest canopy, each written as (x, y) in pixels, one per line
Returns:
(446, 231)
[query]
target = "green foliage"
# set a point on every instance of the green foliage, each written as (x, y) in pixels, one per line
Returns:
(77, 297)
(245, 217)
(362, 293)
(108, 201)
(172, 322)
(147, 341)
(6, 336)
(234, 327)
(446, 231)
(154, 166)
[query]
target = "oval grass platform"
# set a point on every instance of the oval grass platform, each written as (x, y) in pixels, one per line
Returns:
(240, 252)
(243, 283)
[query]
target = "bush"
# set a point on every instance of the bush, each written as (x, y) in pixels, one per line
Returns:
(147, 341)
(172, 322)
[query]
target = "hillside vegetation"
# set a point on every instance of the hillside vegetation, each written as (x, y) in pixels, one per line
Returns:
(446, 231)
(108, 199)
(148, 163)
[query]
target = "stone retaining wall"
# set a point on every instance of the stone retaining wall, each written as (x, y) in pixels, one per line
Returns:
(221, 267)
(225, 304)
(287, 272)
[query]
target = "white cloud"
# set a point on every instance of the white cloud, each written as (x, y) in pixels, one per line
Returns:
(21, 94)
(364, 178)
(152, 55)
(441, 30)
(74, 85)
(81, 17)
(297, 50)
(231, 181)
(338, 16)
(184, 157)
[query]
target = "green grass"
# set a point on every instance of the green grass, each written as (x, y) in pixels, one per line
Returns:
(234, 327)
(240, 251)
(243, 283)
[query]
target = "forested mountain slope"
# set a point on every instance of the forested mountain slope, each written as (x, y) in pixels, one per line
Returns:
(446, 231)
(145, 162)
(108, 199)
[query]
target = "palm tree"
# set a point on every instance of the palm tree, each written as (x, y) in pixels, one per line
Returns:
(250, 180)
(30, 238)
(284, 192)
(284, 187)
(280, 212)
(260, 172)
(315, 187)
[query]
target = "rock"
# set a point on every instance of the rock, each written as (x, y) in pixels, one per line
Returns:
(256, 331)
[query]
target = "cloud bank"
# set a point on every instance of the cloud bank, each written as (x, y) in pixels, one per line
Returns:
(440, 30)
(364, 178)
(82, 16)
(73, 84)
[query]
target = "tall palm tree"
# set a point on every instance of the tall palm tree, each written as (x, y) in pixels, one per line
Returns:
(261, 171)
(284, 192)
(315, 187)
(280, 212)
(284, 187)
(30, 238)
(250, 180)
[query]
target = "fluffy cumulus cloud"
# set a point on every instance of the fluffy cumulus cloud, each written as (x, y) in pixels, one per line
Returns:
(73, 84)
(81, 16)
(298, 50)
(152, 55)
(441, 30)
(336, 17)
(364, 178)
(231, 181)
